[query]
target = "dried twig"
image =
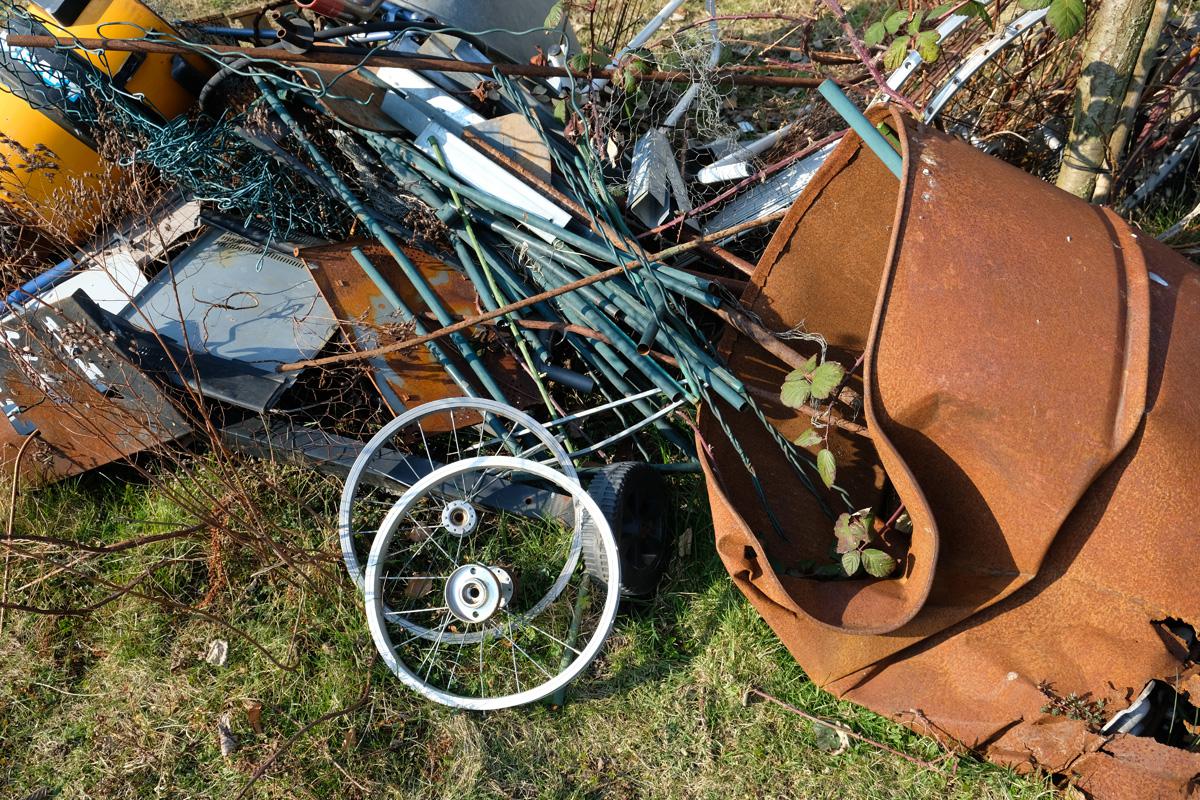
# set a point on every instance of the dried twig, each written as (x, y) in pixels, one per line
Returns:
(351, 58)
(262, 768)
(8, 529)
(532, 300)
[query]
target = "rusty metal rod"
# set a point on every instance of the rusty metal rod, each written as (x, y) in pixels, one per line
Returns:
(745, 323)
(812, 413)
(920, 762)
(340, 56)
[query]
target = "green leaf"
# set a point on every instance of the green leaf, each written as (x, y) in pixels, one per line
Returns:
(1066, 17)
(874, 34)
(560, 110)
(631, 81)
(851, 561)
(807, 439)
(941, 10)
(904, 523)
(853, 530)
(895, 55)
(639, 63)
(843, 530)
(827, 467)
(915, 24)
(809, 366)
(927, 46)
(553, 16)
(974, 8)
(894, 20)
(830, 739)
(877, 563)
(1033, 5)
(579, 62)
(825, 378)
(795, 390)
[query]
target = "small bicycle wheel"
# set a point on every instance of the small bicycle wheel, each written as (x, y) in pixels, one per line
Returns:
(483, 608)
(419, 441)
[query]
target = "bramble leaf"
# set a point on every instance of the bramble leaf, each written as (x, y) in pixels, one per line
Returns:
(553, 16)
(894, 20)
(842, 530)
(874, 34)
(795, 390)
(895, 55)
(877, 563)
(827, 467)
(927, 46)
(1066, 17)
(807, 439)
(853, 530)
(1033, 5)
(915, 24)
(976, 9)
(851, 561)
(825, 378)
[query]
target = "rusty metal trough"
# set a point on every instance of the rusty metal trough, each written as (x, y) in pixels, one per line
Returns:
(1031, 364)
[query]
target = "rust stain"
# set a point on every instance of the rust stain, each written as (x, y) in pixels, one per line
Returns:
(1030, 393)
(61, 375)
(414, 376)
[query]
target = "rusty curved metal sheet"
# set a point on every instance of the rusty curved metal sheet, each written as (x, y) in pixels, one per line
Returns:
(1032, 365)
(412, 377)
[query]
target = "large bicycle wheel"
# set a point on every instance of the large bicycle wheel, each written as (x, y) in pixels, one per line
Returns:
(483, 608)
(419, 441)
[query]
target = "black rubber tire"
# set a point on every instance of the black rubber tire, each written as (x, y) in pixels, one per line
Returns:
(633, 497)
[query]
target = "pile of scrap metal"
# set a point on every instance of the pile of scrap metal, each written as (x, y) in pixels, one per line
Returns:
(387, 260)
(381, 258)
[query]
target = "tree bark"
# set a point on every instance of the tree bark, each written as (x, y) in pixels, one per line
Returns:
(1110, 54)
(1133, 98)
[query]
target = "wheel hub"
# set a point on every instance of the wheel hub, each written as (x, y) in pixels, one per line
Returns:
(474, 592)
(459, 517)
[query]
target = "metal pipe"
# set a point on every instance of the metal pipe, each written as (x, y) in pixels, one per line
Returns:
(859, 123)
(377, 230)
(37, 285)
(358, 57)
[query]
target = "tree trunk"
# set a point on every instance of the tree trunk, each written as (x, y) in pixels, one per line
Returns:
(1109, 57)
(1133, 98)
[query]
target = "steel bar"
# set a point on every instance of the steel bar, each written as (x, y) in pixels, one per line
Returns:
(859, 123)
(377, 230)
(362, 58)
(527, 302)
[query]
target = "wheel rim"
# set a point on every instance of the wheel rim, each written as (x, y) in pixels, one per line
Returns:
(363, 506)
(513, 651)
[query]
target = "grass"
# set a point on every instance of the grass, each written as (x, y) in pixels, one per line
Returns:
(122, 704)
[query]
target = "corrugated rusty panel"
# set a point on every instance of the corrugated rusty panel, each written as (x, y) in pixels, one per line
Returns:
(1032, 365)
(62, 375)
(413, 376)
